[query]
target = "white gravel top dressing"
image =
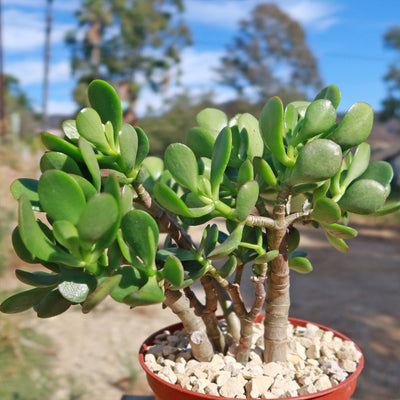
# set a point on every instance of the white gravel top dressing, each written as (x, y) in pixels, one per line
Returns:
(317, 360)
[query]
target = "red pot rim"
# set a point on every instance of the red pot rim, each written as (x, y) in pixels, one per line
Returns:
(295, 321)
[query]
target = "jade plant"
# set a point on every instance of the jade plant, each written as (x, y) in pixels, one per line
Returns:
(94, 217)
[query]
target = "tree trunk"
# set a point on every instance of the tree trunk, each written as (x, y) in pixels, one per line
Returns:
(278, 299)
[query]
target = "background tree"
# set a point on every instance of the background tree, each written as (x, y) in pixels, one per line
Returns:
(391, 105)
(270, 56)
(127, 42)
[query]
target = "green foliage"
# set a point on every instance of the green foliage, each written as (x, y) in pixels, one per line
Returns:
(106, 201)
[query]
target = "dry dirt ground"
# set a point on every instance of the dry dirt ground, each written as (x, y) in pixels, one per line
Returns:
(95, 355)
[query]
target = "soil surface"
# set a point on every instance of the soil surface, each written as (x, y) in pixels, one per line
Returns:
(95, 355)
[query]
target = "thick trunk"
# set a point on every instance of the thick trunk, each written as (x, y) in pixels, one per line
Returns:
(278, 299)
(194, 326)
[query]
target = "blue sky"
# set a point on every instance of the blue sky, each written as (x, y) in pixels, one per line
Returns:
(346, 37)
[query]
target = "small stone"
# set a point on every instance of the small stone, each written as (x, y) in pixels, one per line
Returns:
(339, 376)
(314, 351)
(222, 377)
(268, 395)
(251, 371)
(182, 380)
(168, 375)
(304, 341)
(167, 350)
(258, 385)
(313, 331)
(212, 389)
(217, 363)
(232, 387)
(200, 385)
(156, 350)
(293, 358)
(256, 355)
(309, 389)
(323, 383)
(169, 363)
(149, 358)
(327, 337)
(306, 377)
(272, 369)
(312, 362)
(330, 366)
(327, 351)
(348, 365)
(179, 368)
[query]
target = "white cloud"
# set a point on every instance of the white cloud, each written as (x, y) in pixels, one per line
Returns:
(62, 107)
(317, 14)
(30, 71)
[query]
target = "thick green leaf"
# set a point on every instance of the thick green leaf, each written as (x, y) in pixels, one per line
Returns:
(56, 160)
(54, 143)
(76, 286)
(320, 117)
(228, 268)
(331, 93)
(300, 264)
(28, 187)
(326, 211)
(104, 99)
(23, 301)
(109, 134)
(340, 231)
(111, 185)
(246, 200)
(143, 147)
(290, 119)
(60, 196)
(105, 287)
(69, 129)
(264, 171)
(229, 245)
(150, 293)
(140, 231)
(90, 159)
(358, 164)
(211, 239)
(182, 254)
(200, 141)
(337, 243)
(67, 235)
(37, 278)
(220, 159)
(318, 160)
(173, 270)
(213, 120)
(293, 239)
(168, 199)
(154, 166)
(20, 249)
(364, 196)
(380, 171)
(266, 257)
(182, 164)
(131, 280)
(98, 221)
(34, 239)
(355, 126)
(89, 126)
(388, 209)
(272, 127)
(87, 188)
(301, 107)
(52, 304)
(128, 143)
(126, 199)
(245, 173)
(249, 124)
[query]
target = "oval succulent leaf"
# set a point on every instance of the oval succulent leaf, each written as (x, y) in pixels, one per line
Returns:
(28, 187)
(380, 171)
(168, 199)
(331, 93)
(271, 127)
(69, 129)
(104, 99)
(37, 278)
(318, 160)
(340, 231)
(213, 120)
(182, 164)
(364, 196)
(266, 257)
(245, 173)
(173, 270)
(128, 142)
(154, 166)
(264, 171)
(23, 301)
(300, 264)
(320, 117)
(52, 304)
(229, 245)
(90, 160)
(293, 239)
(150, 293)
(228, 268)
(55, 143)
(140, 231)
(67, 235)
(338, 243)
(56, 160)
(200, 141)
(87, 188)
(211, 239)
(20, 249)
(143, 147)
(255, 144)
(355, 126)
(326, 210)
(105, 287)
(60, 196)
(90, 127)
(388, 209)
(359, 164)
(220, 159)
(76, 287)
(131, 280)
(246, 200)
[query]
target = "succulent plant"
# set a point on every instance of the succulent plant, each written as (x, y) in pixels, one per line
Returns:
(94, 217)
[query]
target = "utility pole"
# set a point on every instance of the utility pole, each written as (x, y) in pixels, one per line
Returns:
(3, 122)
(47, 53)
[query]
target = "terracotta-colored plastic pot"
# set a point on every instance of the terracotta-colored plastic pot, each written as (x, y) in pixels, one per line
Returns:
(166, 391)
